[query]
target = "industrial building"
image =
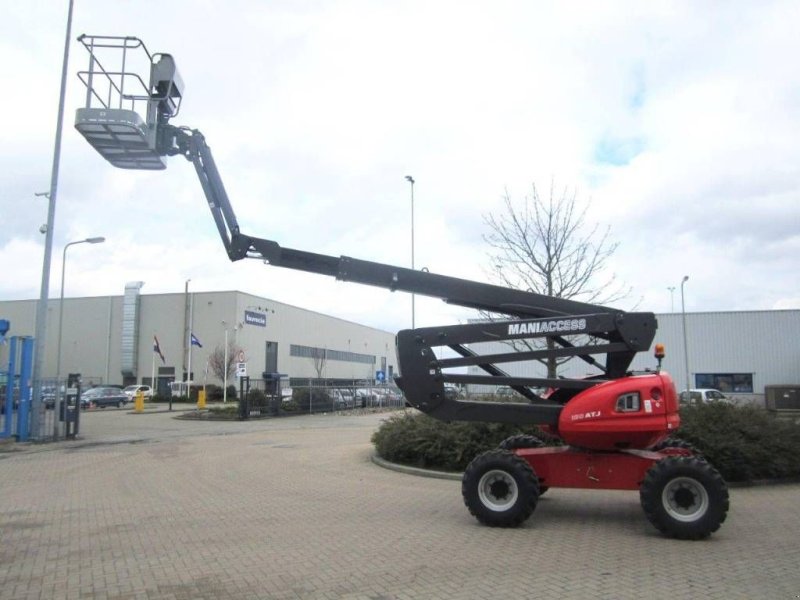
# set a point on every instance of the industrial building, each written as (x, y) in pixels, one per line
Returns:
(737, 352)
(111, 339)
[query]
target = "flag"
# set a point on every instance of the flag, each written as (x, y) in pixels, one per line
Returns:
(195, 341)
(157, 350)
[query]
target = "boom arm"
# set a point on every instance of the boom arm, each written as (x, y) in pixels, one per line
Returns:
(111, 122)
(620, 335)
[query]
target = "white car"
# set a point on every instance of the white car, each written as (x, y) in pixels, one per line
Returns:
(132, 390)
(703, 396)
(342, 398)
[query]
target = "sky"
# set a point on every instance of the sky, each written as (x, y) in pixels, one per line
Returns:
(676, 123)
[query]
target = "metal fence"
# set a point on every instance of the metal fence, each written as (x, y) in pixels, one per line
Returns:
(260, 398)
(57, 418)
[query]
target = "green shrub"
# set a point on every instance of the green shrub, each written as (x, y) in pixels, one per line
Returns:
(744, 443)
(290, 406)
(230, 410)
(257, 398)
(422, 441)
(213, 393)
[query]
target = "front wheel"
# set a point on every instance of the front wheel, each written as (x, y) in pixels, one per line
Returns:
(684, 497)
(500, 489)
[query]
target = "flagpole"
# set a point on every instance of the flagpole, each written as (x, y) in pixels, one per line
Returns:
(153, 386)
(205, 376)
(191, 329)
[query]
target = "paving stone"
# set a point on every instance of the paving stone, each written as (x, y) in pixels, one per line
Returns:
(149, 507)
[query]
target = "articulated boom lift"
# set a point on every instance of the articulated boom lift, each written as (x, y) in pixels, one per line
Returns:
(615, 426)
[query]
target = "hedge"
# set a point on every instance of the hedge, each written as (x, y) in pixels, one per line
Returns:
(744, 443)
(419, 440)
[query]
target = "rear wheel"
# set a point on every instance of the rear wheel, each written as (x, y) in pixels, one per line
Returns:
(500, 489)
(684, 497)
(523, 441)
(677, 446)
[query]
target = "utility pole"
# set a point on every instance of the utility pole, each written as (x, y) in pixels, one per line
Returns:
(410, 179)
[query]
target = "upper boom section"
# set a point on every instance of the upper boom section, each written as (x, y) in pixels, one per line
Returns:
(462, 292)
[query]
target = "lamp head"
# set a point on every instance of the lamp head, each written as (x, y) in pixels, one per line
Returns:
(95, 240)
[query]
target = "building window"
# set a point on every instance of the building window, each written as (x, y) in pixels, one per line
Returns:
(726, 382)
(340, 355)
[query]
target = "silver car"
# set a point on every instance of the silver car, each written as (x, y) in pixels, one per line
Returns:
(703, 396)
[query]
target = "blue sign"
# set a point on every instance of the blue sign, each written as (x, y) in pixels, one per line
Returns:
(380, 376)
(254, 318)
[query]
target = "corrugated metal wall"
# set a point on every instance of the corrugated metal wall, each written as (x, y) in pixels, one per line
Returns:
(129, 354)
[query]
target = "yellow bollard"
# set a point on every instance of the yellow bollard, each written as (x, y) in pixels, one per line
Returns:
(138, 403)
(201, 399)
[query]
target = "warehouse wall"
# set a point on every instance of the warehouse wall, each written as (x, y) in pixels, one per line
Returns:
(92, 333)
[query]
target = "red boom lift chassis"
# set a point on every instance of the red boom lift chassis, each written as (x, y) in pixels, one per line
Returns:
(615, 427)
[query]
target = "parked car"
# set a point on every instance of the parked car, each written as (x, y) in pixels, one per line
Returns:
(703, 396)
(452, 392)
(132, 390)
(103, 397)
(342, 398)
(14, 402)
(49, 396)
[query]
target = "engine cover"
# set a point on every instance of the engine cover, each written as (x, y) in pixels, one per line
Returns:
(632, 412)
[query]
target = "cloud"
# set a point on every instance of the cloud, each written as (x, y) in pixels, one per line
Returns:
(678, 122)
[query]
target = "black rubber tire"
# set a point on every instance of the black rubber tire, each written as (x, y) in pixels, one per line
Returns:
(524, 441)
(520, 441)
(500, 489)
(120, 404)
(684, 497)
(676, 443)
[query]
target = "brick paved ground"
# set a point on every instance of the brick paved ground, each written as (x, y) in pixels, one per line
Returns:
(150, 507)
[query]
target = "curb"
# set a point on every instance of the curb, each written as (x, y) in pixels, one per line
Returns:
(414, 470)
(763, 482)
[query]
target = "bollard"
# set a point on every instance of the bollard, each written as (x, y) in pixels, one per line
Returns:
(201, 399)
(138, 403)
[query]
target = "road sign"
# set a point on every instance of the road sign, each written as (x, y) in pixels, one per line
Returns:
(241, 369)
(380, 376)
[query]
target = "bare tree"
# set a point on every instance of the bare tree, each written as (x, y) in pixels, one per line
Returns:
(320, 360)
(544, 245)
(217, 363)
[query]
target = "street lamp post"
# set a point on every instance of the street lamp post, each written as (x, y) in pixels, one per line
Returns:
(225, 367)
(91, 240)
(671, 289)
(187, 342)
(410, 179)
(685, 342)
(40, 328)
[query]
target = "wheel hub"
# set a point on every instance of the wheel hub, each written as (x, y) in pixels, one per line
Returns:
(685, 499)
(497, 490)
